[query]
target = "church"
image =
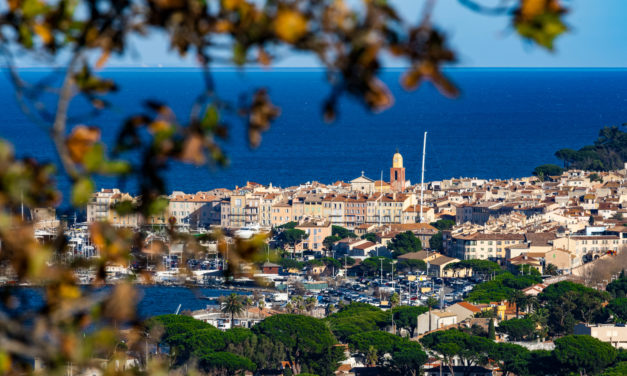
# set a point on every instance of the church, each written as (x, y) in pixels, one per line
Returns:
(397, 181)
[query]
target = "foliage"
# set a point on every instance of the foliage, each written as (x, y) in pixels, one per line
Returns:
(619, 369)
(329, 240)
(582, 353)
(618, 307)
(406, 317)
(223, 361)
(289, 263)
(618, 287)
(436, 243)
(452, 343)
(342, 232)
(542, 363)
(443, 224)
(407, 356)
(357, 318)
(232, 305)
(404, 265)
(609, 152)
(546, 170)
(518, 329)
(501, 287)
(291, 237)
(491, 330)
(371, 237)
(308, 341)
(482, 268)
(510, 358)
(372, 265)
(288, 226)
(404, 242)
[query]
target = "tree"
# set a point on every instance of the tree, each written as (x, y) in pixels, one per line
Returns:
(618, 308)
(618, 287)
(491, 330)
(595, 177)
(452, 343)
(403, 265)
(408, 358)
(307, 341)
(547, 170)
(232, 305)
(395, 299)
(329, 240)
(510, 358)
(550, 269)
(619, 369)
(80, 36)
(404, 242)
(224, 361)
(407, 317)
(583, 354)
(292, 237)
(371, 237)
(357, 318)
(518, 329)
(436, 243)
(342, 232)
(443, 224)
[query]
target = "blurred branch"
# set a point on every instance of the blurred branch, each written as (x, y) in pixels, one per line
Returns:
(60, 121)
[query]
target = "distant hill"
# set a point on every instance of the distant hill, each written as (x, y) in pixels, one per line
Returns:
(609, 152)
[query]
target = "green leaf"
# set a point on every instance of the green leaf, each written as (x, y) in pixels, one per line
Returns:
(115, 167)
(211, 118)
(81, 191)
(158, 206)
(94, 157)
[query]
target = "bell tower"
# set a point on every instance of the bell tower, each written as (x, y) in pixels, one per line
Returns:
(397, 173)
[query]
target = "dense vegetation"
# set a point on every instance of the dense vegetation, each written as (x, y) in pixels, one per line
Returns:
(609, 152)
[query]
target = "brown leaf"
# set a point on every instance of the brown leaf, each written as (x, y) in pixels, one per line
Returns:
(193, 150)
(80, 140)
(103, 59)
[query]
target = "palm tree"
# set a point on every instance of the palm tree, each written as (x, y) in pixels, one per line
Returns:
(261, 304)
(232, 305)
(550, 269)
(394, 300)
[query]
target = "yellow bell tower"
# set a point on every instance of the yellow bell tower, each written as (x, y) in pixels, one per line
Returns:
(397, 173)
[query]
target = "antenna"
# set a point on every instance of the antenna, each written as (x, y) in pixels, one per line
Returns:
(422, 175)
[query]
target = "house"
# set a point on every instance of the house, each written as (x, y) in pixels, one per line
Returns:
(436, 319)
(317, 230)
(362, 184)
(437, 266)
(616, 335)
(464, 310)
(270, 268)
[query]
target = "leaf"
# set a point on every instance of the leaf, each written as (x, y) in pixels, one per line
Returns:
(290, 25)
(211, 118)
(193, 150)
(81, 191)
(94, 157)
(43, 31)
(158, 206)
(80, 141)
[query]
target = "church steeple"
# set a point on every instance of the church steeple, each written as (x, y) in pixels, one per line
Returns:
(397, 173)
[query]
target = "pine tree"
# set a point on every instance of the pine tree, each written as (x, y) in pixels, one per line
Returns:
(491, 331)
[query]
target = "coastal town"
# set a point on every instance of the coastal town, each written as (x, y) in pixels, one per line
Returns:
(465, 253)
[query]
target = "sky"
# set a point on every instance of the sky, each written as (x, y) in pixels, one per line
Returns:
(597, 38)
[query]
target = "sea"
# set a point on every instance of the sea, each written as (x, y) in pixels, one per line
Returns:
(504, 123)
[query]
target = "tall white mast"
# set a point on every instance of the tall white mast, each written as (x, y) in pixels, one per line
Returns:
(380, 197)
(422, 175)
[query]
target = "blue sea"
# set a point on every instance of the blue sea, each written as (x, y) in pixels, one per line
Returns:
(506, 122)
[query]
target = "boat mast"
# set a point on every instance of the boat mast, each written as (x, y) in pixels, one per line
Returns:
(422, 175)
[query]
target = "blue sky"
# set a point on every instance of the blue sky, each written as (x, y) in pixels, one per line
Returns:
(598, 38)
